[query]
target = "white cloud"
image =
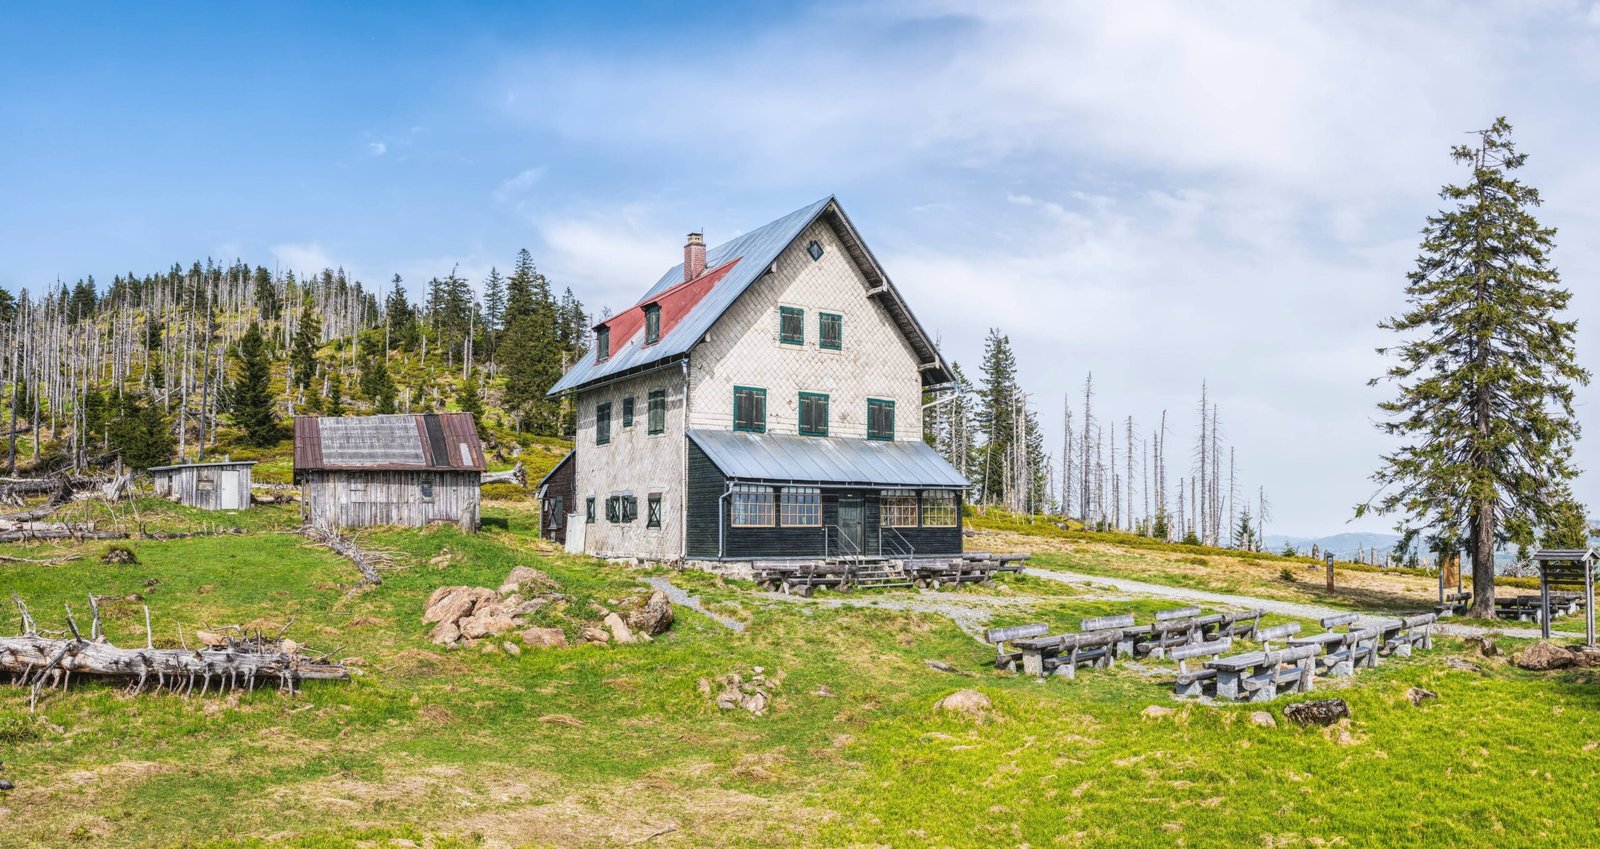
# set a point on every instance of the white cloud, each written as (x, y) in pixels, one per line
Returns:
(377, 148)
(303, 258)
(610, 256)
(516, 188)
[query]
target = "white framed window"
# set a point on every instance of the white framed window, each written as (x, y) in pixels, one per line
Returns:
(900, 508)
(800, 507)
(939, 508)
(752, 506)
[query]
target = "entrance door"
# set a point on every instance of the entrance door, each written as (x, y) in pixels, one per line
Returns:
(228, 490)
(852, 525)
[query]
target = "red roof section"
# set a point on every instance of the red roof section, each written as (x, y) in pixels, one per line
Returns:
(676, 304)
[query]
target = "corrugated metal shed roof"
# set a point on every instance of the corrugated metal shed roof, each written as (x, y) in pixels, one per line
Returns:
(831, 460)
(409, 442)
(750, 255)
(201, 465)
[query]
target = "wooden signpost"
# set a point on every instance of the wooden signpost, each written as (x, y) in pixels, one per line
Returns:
(1329, 559)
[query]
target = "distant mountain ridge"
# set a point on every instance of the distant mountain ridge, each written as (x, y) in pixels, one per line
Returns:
(1344, 546)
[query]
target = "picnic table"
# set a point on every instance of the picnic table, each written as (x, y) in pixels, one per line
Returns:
(1260, 676)
(1062, 654)
(1399, 636)
(1194, 682)
(1000, 636)
(1339, 653)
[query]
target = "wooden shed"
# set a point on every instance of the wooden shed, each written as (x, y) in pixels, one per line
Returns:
(407, 470)
(209, 486)
(557, 498)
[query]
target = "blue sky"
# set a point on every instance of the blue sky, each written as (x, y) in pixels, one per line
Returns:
(1160, 193)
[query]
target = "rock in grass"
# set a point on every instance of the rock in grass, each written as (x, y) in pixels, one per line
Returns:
(941, 666)
(969, 702)
(653, 616)
(6, 785)
(1462, 664)
(1586, 656)
(593, 634)
(1263, 719)
(1483, 644)
(619, 629)
(1155, 712)
(1320, 712)
(545, 638)
(1543, 656)
(511, 648)
(1417, 695)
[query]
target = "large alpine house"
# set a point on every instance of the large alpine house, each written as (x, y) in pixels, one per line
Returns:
(763, 401)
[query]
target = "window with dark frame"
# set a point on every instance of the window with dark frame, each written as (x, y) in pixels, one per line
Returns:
(791, 325)
(751, 506)
(880, 419)
(939, 508)
(657, 412)
(749, 409)
(813, 414)
(627, 411)
(602, 423)
(800, 507)
(652, 324)
(899, 508)
(427, 488)
(815, 250)
(830, 331)
(621, 509)
(652, 511)
(588, 510)
(602, 344)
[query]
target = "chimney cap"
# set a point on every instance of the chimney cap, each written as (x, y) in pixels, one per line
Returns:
(697, 238)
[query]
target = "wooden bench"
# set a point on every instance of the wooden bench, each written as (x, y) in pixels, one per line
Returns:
(1155, 639)
(1241, 623)
(1341, 652)
(1062, 654)
(1518, 609)
(1121, 623)
(1399, 636)
(1000, 636)
(1454, 604)
(1193, 682)
(1265, 636)
(1260, 676)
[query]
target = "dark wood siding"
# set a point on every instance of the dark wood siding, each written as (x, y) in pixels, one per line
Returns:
(559, 497)
(704, 489)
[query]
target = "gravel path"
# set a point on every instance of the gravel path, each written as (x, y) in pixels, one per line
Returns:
(677, 596)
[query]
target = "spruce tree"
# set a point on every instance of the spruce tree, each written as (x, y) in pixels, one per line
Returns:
(303, 355)
(468, 399)
(376, 383)
(335, 405)
(250, 397)
(140, 434)
(1485, 372)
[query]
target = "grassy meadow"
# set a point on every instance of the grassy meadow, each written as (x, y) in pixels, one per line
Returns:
(623, 746)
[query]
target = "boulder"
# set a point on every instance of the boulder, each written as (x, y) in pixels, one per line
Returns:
(1263, 719)
(1320, 712)
(1483, 644)
(1542, 656)
(488, 624)
(1462, 664)
(653, 616)
(1155, 712)
(1417, 695)
(1586, 656)
(756, 703)
(455, 604)
(545, 638)
(445, 633)
(211, 638)
(511, 648)
(619, 629)
(969, 702)
(532, 605)
(592, 634)
(526, 577)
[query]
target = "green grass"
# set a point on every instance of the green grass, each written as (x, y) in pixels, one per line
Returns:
(449, 746)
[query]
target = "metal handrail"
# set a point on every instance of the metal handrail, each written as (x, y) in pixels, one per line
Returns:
(842, 538)
(903, 548)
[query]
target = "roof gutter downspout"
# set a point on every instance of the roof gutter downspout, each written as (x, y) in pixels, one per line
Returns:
(683, 486)
(721, 523)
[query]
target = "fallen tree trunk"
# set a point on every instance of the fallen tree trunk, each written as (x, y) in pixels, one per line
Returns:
(366, 561)
(516, 474)
(37, 660)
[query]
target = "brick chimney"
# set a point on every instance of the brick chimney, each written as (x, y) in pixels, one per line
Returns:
(694, 257)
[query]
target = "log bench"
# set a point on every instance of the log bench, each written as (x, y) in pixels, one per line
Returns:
(1265, 636)
(1454, 604)
(1261, 676)
(1062, 654)
(1242, 623)
(1340, 653)
(1194, 682)
(1399, 636)
(1008, 660)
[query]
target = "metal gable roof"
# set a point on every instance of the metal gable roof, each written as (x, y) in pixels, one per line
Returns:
(826, 460)
(750, 255)
(405, 442)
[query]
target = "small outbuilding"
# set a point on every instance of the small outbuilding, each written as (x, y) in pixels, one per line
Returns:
(209, 486)
(409, 470)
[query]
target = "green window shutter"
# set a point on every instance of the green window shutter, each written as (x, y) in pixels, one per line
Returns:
(880, 419)
(658, 411)
(813, 414)
(602, 423)
(652, 515)
(791, 325)
(830, 331)
(652, 324)
(627, 411)
(749, 409)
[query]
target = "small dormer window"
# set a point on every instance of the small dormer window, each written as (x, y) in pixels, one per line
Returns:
(815, 249)
(652, 324)
(602, 344)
